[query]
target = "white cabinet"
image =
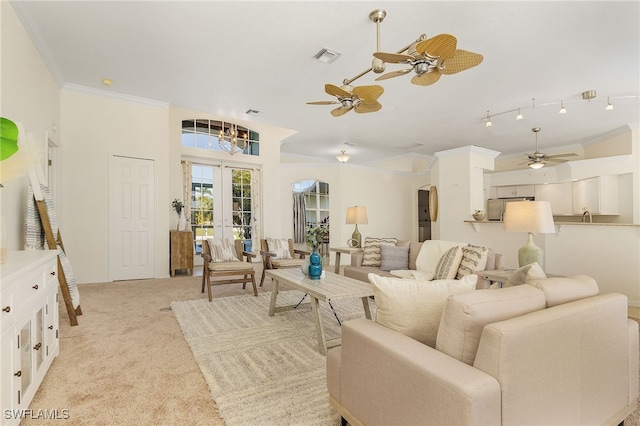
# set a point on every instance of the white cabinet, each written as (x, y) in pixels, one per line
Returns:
(515, 191)
(598, 195)
(29, 324)
(559, 195)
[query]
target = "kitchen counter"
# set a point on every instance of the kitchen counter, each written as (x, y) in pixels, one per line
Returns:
(636, 225)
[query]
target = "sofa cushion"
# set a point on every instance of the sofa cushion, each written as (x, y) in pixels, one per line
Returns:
(465, 315)
(524, 275)
(394, 257)
(431, 252)
(412, 307)
(447, 266)
(371, 250)
(414, 249)
(559, 290)
(474, 259)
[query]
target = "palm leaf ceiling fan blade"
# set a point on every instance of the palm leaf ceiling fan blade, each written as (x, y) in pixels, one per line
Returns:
(323, 103)
(393, 74)
(427, 78)
(365, 107)
(442, 46)
(394, 58)
(341, 111)
(368, 93)
(334, 90)
(462, 60)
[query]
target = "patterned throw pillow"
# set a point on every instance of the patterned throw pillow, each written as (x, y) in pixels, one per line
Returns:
(371, 253)
(394, 258)
(448, 264)
(279, 246)
(223, 250)
(474, 259)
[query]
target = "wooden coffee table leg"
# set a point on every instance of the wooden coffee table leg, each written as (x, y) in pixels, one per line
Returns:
(322, 344)
(274, 297)
(367, 308)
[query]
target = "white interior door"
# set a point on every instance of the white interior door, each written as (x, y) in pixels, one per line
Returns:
(131, 218)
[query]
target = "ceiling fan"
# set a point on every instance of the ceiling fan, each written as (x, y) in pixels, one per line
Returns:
(430, 58)
(538, 160)
(361, 99)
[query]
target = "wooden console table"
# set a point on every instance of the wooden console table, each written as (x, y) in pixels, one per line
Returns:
(181, 248)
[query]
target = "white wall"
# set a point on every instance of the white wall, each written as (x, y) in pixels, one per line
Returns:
(30, 96)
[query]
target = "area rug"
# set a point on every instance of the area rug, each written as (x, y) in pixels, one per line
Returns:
(263, 370)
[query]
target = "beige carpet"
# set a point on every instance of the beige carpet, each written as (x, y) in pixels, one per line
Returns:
(127, 362)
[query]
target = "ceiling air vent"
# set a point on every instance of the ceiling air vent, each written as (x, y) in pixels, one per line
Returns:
(326, 56)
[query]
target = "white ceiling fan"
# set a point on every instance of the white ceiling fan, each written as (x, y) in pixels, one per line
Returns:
(538, 160)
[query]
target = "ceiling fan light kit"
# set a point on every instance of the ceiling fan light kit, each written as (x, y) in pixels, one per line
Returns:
(429, 58)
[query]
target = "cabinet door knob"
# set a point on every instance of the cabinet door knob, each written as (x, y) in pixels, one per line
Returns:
(6, 309)
(38, 346)
(35, 287)
(53, 272)
(18, 374)
(50, 327)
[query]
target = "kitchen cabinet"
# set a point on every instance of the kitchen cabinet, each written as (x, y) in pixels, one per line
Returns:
(29, 324)
(181, 248)
(559, 195)
(515, 191)
(598, 195)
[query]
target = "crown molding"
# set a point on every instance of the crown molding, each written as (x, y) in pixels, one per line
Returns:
(112, 95)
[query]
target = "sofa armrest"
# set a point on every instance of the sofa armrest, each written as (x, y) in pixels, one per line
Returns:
(389, 378)
(356, 258)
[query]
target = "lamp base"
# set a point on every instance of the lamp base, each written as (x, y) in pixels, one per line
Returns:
(357, 238)
(530, 253)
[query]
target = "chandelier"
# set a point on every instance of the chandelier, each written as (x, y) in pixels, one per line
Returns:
(231, 141)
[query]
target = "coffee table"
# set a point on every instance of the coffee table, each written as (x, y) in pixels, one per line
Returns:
(331, 287)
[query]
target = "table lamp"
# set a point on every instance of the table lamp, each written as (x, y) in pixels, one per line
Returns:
(356, 215)
(533, 217)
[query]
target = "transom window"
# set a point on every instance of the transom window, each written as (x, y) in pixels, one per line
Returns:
(203, 134)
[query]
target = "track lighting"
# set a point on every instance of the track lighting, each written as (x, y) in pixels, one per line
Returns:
(609, 106)
(563, 110)
(519, 116)
(489, 124)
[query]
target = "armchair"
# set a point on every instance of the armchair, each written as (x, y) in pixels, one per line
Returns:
(225, 260)
(278, 254)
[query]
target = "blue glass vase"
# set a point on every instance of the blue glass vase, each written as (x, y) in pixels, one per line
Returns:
(315, 266)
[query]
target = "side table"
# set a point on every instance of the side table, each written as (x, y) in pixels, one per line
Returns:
(181, 249)
(345, 250)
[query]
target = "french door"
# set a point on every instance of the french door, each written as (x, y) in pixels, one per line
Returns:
(222, 202)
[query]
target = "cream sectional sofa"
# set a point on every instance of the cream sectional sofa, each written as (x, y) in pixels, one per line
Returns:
(551, 352)
(434, 249)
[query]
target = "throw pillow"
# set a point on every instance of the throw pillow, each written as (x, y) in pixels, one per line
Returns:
(474, 259)
(527, 273)
(371, 251)
(448, 264)
(279, 246)
(465, 315)
(393, 257)
(431, 252)
(223, 250)
(413, 307)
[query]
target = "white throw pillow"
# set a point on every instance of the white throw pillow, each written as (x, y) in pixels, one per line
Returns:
(412, 307)
(530, 272)
(279, 246)
(448, 264)
(223, 250)
(431, 252)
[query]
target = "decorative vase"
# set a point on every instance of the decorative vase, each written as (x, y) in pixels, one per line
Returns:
(480, 216)
(315, 267)
(305, 266)
(182, 221)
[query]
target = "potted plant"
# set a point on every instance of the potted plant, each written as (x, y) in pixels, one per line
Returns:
(178, 206)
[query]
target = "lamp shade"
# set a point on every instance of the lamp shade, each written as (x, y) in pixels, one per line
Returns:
(529, 216)
(357, 215)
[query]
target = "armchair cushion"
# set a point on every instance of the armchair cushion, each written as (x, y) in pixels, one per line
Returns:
(223, 250)
(465, 315)
(279, 246)
(414, 307)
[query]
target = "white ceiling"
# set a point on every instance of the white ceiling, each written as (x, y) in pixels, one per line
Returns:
(225, 57)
